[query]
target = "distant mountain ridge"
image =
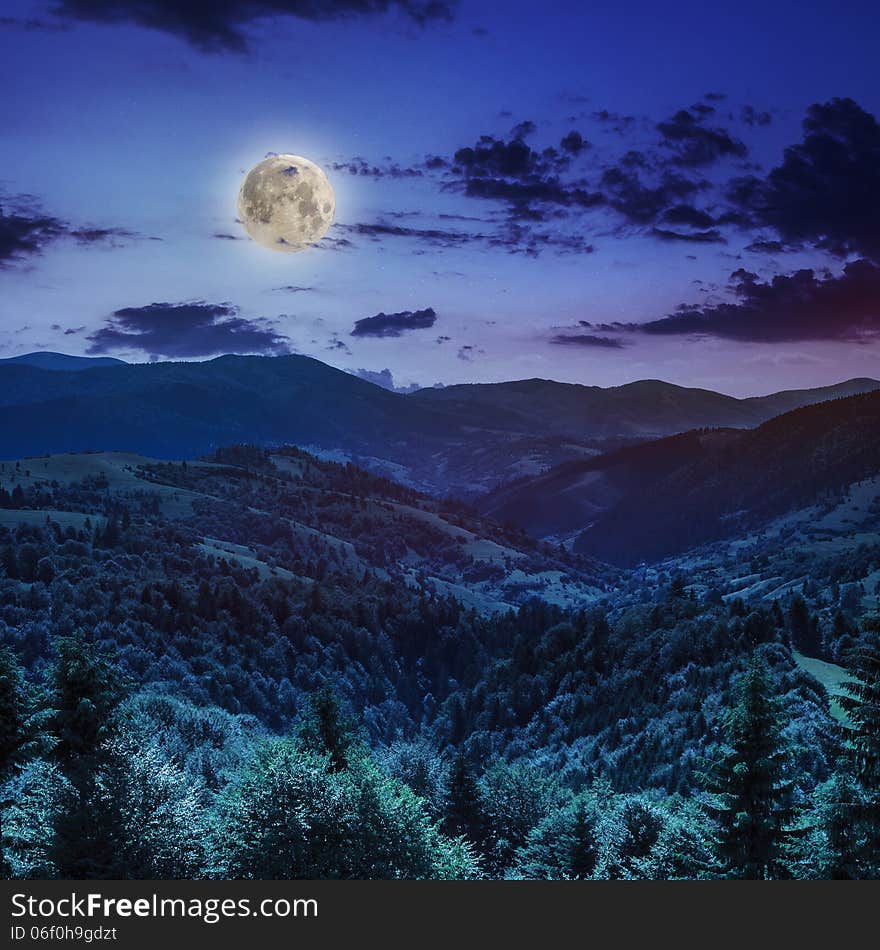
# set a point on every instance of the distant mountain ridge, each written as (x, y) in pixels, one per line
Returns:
(664, 497)
(646, 407)
(45, 359)
(461, 439)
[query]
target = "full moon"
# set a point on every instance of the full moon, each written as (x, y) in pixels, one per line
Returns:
(286, 203)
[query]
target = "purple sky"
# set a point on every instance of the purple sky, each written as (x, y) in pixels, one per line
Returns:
(522, 190)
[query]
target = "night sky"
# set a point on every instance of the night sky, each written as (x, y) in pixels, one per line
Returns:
(522, 189)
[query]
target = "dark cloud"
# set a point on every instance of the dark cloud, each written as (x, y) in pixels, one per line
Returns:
(23, 234)
(359, 166)
(703, 109)
(492, 157)
(574, 143)
(826, 191)
(712, 236)
(586, 339)
(641, 203)
(512, 236)
(181, 330)
(752, 116)
(694, 144)
(523, 129)
(660, 189)
(619, 123)
(293, 289)
(99, 235)
(634, 158)
(328, 243)
(467, 353)
(437, 237)
(25, 230)
(336, 344)
(225, 236)
(766, 247)
(445, 216)
(395, 324)
(526, 179)
(654, 188)
(689, 216)
(800, 306)
(539, 186)
(221, 25)
(518, 239)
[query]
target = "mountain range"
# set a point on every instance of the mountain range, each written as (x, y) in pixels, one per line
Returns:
(666, 496)
(458, 439)
(45, 359)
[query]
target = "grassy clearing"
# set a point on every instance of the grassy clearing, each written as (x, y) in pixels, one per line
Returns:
(228, 551)
(834, 678)
(118, 469)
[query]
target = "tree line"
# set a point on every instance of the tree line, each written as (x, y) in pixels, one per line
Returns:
(101, 780)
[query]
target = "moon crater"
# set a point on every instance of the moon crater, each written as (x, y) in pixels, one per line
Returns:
(286, 203)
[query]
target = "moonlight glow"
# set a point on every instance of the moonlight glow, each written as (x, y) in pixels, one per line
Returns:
(286, 203)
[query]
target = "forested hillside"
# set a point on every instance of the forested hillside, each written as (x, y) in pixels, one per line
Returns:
(264, 665)
(660, 498)
(744, 480)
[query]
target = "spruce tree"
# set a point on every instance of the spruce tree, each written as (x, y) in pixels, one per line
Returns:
(805, 634)
(13, 711)
(13, 718)
(564, 845)
(86, 691)
(465, 815)
(22, 730)
(862, 706)
(326, 730)
(834, 844)
(751, 795)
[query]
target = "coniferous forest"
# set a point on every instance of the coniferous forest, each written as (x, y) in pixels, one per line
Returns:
(263, 665)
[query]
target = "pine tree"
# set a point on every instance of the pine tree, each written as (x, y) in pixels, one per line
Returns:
(564, 845)
(601, 636)
(582, 847)
(805, 634)
(10, 562)
(834, 843)
(13, 711)
(326, 729)
(86, 691)
(862, 705)
(465, 815)
(13, 717)
(752, 798)
(22, 730)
